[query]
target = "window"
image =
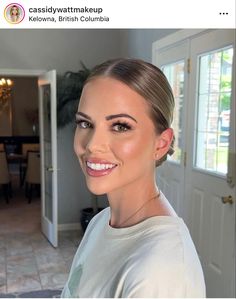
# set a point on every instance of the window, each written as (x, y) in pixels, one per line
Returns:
(175, 74)
(213, 113)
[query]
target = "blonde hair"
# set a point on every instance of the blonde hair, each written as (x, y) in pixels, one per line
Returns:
(17, 8)
(149, 82)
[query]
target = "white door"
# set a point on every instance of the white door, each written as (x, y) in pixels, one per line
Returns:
(209, 173)
(211, 137)
(48, 141)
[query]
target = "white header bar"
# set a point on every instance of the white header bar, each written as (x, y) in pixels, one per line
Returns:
(117, 14)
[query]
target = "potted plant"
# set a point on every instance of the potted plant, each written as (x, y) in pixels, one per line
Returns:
(88, 213)
(69, 89)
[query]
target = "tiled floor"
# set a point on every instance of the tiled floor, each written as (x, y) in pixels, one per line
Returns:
(27, 260)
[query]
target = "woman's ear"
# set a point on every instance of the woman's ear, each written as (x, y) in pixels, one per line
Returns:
(163, 143)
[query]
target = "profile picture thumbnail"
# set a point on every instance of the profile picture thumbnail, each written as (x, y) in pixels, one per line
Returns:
(14, 13)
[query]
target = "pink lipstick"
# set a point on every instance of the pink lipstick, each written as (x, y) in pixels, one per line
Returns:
(97, 167)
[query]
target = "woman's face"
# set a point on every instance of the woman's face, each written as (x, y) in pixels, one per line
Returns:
(14, 11)
(115, 139)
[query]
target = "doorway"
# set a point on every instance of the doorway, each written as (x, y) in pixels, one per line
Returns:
(46, 90)
(19, 133)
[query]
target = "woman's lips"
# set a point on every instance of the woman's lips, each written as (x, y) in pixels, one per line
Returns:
(96, 168)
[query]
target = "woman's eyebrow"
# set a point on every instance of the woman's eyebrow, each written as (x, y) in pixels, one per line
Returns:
(83, 114)
(109, 117)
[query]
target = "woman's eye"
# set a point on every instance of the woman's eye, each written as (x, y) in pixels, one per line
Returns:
(119, 127)
(83, 124)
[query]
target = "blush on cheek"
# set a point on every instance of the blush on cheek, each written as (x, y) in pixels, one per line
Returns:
(128, 150)
(136, 149)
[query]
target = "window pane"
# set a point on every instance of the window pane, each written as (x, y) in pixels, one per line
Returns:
(175, 74)
(213, 119)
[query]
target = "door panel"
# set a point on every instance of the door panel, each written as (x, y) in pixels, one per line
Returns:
(197, 218)
(206, 165)
(48, 137)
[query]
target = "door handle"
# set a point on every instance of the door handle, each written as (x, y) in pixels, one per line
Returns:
(227, 199)
(51, 169)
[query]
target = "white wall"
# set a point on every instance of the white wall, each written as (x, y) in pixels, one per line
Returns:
(24, 100)
(137, 43)
(60, 49)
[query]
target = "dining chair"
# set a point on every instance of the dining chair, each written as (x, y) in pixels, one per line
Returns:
(26, 147)
(29, 147)
(2, 147)
(5, 179)
(32, 179)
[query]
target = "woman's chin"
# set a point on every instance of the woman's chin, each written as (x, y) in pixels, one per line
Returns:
(96, 189)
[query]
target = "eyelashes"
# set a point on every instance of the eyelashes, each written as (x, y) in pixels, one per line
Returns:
(83, 124)
(117, 126)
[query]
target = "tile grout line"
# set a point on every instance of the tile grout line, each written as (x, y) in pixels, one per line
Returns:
(6, 247)
(34, 254)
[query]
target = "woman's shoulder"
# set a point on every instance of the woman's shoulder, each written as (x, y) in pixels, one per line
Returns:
(99, 219)
(163, 239)
(167, 258)
(167, 238)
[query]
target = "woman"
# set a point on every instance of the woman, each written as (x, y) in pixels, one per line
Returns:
(14, 13)
(138, 247)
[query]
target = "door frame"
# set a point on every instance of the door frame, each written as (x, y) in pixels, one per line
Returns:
(174, 38)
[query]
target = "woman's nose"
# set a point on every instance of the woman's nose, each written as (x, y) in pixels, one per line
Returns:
(97, 141)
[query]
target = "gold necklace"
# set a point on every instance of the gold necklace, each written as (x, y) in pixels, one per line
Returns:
(156, 196)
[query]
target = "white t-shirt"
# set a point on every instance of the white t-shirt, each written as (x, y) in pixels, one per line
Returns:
(154, 258)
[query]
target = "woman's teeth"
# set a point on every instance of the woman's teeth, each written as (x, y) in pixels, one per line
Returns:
(97, 166)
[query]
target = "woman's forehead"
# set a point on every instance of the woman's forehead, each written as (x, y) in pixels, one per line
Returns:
(110, 91)
(104, 97)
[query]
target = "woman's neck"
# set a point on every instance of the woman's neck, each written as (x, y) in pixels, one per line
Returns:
(135, 203)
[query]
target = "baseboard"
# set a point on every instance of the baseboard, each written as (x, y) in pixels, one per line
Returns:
(69, 226)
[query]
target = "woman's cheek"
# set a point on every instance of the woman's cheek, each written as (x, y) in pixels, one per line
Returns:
(79, 143)
(128, 148)
(78, 148)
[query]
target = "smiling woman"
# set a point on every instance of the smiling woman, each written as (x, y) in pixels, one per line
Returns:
(138, 247)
